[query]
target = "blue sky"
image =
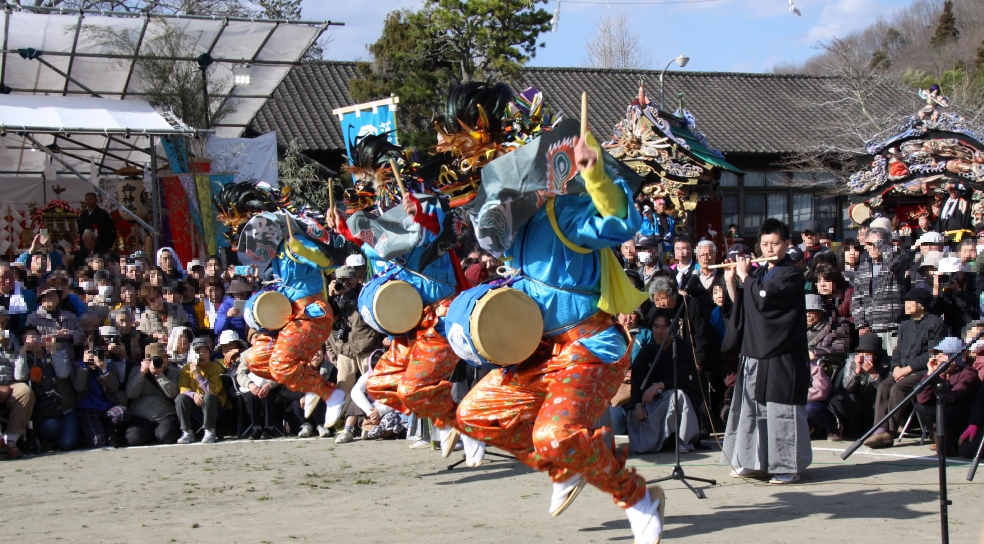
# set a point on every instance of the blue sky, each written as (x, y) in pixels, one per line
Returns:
(717, 35)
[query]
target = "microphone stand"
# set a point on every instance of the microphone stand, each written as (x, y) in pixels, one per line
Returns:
(940, 388)
(677, 473)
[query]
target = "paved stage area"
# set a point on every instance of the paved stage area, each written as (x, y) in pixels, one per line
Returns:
(291, 490)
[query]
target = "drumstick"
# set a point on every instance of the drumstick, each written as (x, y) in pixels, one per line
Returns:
(726, 265)
(399, 178)
(584, 113)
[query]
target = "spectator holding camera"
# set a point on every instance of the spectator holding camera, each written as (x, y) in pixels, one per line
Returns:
(16, 396)
(254, 390)
(151, 389)
(160, 317)
(352, 340)
(853, 406)
(200, 392)
(876, 304)
(102, 404)
(229, 316)
(51, 320)
(45, 363)
(962, 386)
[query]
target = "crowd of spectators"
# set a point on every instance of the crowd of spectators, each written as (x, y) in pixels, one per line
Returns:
(883, 310)
(106, 350)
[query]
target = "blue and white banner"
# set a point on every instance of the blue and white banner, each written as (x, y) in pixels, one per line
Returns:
(369, 118)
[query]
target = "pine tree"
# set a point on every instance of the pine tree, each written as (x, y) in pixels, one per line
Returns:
(946, 28)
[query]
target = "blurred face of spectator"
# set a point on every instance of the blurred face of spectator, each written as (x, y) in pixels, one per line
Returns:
(155, 301)
(318, 358)
(8, 280)
(926, 248)
(189, 294)
(813, 317)
(705, 256)
(89, 240)
(972, 333)
(39, 264)
(825, 286)
(630, 321)
(772, 245)
(204, 354)
(167, 261)
(967, 253)
(811, 239)
(128, 295)
(133, 272)
(924, 222)
(97, 263)
(182, 344)
(663, 300)
(629, 251)
(717, 294)
(862, 233)
(244, 295)
(661, 328)
(123, 323)
(852, 256)
(951, 189)
(32, 340)
(489, 262)
(660, 206)
(683, 253)
(50, 302)
(214, 293)
(197, 272)
(912, 307)
(174, 297)
(90, 201)
(155, 278)
(212, 267)
(871, 244)
(475, 254)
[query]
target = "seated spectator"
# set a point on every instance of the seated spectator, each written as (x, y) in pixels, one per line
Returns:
(155, 277)
(50, 320)
(853, 406)
(833, 289)
(151, 389)
(962, 387)
(179, 345)
(214, 299)
(253, 390)
(314, 421)
(829, 342)
(200, 393)
(228, 317)
(16, 396)
(128, 343)
(654, 410)
(378, 420)
(916, 336)
(45, 363)
(101, 402)
(619, 404)
(230, 348)
(160, 317)
(956, 306)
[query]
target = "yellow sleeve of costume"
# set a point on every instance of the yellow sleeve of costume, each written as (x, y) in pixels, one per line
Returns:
(607, 197)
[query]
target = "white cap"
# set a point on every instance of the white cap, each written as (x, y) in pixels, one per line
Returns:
(814, 302)
(355, 260)
(931, 237)
(882, 223)
(228, 337)
(949, 265)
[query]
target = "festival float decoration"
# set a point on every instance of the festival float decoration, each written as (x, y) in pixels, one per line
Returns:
(59, 218)
(671, 154)
(910, 166)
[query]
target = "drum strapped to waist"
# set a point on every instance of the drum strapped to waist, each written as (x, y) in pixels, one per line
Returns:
(494, 325)
(268, 310)
(390, 306)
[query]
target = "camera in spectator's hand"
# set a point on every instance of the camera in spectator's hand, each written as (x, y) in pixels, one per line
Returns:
(158, 362)
(99, 353)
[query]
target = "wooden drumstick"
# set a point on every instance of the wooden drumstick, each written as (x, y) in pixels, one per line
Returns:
(727, 265)
(584, 113)
(331, 197)
(399, 177)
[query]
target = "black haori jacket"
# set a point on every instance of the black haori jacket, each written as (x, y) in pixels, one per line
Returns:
(769, 324)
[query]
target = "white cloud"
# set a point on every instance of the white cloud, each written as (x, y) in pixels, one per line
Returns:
(842, 17)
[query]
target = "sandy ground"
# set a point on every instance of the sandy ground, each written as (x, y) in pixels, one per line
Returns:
(291, 490)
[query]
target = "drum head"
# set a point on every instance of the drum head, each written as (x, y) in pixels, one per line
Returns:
(859, 212)
(506, 326)
(397, 306)
(272, 310)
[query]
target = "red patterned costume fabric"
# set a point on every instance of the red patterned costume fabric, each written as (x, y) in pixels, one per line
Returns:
(412, 376)
(283, 357)
(542, 411)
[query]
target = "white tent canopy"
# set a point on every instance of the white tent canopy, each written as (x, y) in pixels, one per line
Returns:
(33, 113)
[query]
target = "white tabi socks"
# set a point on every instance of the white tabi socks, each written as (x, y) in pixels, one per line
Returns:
(646, 516)
(333, 407)
(564, 494)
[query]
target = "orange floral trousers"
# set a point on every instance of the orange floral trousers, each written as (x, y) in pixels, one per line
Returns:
(285, 356)
(412, 376)
(542, 411)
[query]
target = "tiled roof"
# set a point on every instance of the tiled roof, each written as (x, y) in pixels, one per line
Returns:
(739, 112)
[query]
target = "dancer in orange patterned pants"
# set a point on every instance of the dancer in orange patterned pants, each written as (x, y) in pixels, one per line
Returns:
(284, 357)
(542, 412)
(412, 376)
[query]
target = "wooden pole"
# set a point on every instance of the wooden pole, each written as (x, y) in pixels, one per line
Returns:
(584, 113)
(398, 176)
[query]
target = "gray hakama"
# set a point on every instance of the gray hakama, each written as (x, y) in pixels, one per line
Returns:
(771, 437)
(647, 436)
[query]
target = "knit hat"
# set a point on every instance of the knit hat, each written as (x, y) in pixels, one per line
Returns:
(920, 295)
(869, 343)
(344, 273)
(476, 273)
